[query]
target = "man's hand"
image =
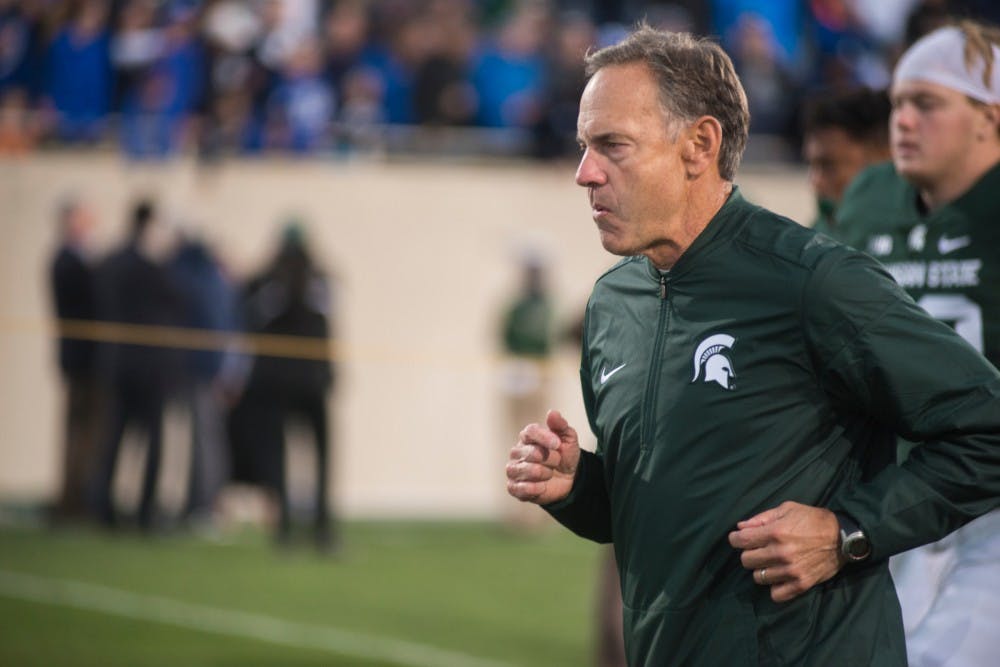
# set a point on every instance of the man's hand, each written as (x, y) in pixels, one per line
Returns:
(790, 548)
(543, 463)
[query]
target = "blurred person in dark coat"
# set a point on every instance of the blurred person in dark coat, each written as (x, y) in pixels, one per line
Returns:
(290, 298)
(208, 301)
(135, 288)
(73, 287)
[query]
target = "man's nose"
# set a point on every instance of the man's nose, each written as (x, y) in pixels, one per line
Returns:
(903, 116)
(589, 173)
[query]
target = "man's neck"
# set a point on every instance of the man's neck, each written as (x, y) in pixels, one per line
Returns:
(700, 208)
(936, 195)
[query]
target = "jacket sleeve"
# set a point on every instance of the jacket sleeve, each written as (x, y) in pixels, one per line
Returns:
(587, 509)
(881, 357)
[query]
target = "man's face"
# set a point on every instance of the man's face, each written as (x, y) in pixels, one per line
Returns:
(631, 165)
(932, 131)
(834, 159)
(80, 224)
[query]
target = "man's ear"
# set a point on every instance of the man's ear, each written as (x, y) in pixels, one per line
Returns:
(992, 113)
(702, 143)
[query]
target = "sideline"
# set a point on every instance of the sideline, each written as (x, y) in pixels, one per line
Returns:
(90, 597)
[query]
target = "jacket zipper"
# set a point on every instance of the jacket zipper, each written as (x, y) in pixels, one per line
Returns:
(653, 379)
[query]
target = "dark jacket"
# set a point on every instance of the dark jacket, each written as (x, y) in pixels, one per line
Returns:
(74, 296)
(135, 290)
(208, 305)
(290, 299)
(771, 364)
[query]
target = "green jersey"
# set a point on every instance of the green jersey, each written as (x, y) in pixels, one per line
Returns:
(948, 259)
(527, 327)
(770, 364)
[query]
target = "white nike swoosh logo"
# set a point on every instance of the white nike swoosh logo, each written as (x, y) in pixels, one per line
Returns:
(606, 375)
(947, 245)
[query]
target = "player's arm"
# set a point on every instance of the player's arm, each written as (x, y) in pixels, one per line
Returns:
(878, 354)
(587, 509)
(547, 467)
(882, 355)
(577, 497)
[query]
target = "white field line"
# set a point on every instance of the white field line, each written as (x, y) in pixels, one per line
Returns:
(90, 597)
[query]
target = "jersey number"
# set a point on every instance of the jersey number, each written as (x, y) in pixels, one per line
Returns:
(959, 312)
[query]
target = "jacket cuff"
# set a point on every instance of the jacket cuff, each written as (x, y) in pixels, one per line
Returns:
(584, 473)
(896, 511)
(586, 510)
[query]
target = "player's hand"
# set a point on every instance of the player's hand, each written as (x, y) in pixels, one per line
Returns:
(790, 548)
(543, 463)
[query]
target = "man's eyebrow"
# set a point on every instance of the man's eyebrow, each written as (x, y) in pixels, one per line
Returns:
(921, 95)
(601, 138)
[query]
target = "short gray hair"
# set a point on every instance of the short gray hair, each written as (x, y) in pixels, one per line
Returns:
(696, 78)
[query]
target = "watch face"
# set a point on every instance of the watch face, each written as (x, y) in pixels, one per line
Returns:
(856, 546)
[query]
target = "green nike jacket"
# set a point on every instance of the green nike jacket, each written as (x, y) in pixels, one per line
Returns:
(771, 364)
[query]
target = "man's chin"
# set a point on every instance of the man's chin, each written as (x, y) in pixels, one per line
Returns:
(908, 164)
(615, 246)
(913, 172)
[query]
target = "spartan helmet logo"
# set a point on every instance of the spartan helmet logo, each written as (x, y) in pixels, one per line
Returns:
(711, 359)
(917, 238)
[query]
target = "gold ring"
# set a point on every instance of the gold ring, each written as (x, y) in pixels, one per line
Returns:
(763, 576)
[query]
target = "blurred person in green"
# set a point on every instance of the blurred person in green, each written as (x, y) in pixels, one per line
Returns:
(844, 132)
(527, 337)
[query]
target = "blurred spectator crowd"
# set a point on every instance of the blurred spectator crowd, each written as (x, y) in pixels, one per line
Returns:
(224, 77)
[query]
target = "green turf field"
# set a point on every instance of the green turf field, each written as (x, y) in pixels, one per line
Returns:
(434, 594)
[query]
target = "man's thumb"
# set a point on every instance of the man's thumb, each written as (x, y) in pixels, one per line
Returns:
(558, 424)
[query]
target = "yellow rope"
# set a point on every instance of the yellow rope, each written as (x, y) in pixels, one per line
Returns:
(271, 345)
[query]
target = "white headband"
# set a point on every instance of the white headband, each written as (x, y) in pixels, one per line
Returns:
(940, 58)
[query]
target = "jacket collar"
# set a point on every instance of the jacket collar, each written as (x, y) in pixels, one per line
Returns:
(718, 229)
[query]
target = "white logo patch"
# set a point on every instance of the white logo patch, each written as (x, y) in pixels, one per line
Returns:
(917, 238)
(880, 245)
(947, 245)
(710, 357)
(606, 374)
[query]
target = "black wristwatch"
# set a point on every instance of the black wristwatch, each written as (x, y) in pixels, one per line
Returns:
(854, 544)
